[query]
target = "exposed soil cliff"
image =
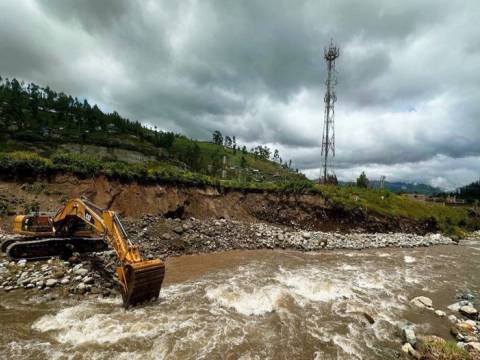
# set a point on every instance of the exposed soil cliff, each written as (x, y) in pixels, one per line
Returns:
(134, 200)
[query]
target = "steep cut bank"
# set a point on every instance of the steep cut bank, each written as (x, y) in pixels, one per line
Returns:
(133, 200)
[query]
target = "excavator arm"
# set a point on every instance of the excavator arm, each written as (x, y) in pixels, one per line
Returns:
(140, 279)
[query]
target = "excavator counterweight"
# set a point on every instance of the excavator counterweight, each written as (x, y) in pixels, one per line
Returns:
(80, 226)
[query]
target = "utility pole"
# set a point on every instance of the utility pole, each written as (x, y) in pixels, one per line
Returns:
(328, 137)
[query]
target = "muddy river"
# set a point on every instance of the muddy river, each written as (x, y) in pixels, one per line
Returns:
(254, 305)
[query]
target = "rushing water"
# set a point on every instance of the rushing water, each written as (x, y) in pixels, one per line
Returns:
(254, 305)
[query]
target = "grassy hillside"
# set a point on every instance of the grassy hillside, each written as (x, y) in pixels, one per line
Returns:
(450, 219)
(51, 125)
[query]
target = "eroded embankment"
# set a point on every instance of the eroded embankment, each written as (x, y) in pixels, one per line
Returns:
(306, 211)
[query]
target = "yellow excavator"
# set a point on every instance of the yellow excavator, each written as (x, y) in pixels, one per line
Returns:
(81, 226)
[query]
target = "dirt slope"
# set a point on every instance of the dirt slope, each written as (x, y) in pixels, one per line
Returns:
(135, 200)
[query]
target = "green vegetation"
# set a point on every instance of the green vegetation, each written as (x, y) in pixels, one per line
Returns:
(442, 350)
(470, 192)
(362, 180)
(450, 219)
(40, 120)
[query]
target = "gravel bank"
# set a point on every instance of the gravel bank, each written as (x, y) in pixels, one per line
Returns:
(173, 237)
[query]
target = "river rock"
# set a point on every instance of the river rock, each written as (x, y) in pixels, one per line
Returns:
(178, 230)
(22, 263)
(456, 306)
(475, 346)
(51, 282)
(408, 349)
(81, 272)
(452, 318)
(422, 302)
(81, 288)
(369, 318)
(440, 313)
(469, 311)
(409, 335)
(87, 280)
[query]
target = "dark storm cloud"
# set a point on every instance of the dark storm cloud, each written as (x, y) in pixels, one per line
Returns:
(408, 73)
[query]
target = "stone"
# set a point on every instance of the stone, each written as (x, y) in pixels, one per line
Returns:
(87, 280)
(369, 318)
(469, 311)
(51, 282)
(59, 273)
(409, 335)
(81, 272)
(81, 288)
(30, 286)
(452, 318)
(475, 346)
(467, 296)
(408, 349)
(65, 281)
(22, 263)
(440, 313)
(178, 230)
(306, 235)
(458, 305)
(422, 302)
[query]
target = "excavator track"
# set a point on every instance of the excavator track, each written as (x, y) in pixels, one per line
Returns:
(46, 248)
(141, 281)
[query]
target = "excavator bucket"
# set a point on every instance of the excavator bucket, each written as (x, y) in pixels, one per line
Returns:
(141, 281)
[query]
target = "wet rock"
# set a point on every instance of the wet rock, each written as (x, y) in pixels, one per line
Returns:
(409, 350)
(456, 306)
(469, 311)
(440, 313)
(369, 318)
(409, 335)
(452, 318)
(422, 302)
(64, 281)
(467, 297)
(475, 346)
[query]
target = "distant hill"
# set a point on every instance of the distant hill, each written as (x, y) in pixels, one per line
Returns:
(401, 187)
(64, 129)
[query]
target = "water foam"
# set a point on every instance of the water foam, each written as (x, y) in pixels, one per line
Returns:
(256, 302)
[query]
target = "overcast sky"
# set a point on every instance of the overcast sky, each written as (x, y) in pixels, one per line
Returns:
(408, 76)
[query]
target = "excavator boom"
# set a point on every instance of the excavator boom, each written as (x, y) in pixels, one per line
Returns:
(140, 279)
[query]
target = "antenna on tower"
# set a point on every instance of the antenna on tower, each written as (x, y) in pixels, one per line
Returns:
(328, 137)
